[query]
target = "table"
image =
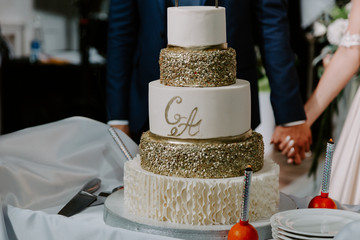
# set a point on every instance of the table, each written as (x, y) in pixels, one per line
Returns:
(42, 167)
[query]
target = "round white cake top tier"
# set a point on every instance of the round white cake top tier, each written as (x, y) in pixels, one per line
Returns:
(196, 26)
(199, 113)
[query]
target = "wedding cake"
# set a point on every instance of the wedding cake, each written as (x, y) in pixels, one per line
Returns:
(191, 163)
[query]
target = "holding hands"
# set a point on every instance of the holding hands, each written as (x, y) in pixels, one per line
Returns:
(293, 141)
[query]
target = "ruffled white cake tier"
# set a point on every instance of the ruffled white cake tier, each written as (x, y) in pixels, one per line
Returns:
(199, 201)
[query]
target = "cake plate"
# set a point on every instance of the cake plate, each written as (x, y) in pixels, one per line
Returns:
(116, 215)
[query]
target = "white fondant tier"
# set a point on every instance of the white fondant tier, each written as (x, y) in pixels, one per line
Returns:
(199, 113)
(199, 201)
(196, 26)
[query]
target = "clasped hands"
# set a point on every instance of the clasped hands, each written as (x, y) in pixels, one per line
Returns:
(293, 141)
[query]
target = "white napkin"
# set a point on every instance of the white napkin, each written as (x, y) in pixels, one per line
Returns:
(28, 224)
(43, 167)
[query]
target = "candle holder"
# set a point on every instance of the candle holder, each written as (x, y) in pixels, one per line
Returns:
(323, 200)
(243, 230)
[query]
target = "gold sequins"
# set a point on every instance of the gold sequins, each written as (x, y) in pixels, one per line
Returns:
(213, 158)
(197, 68)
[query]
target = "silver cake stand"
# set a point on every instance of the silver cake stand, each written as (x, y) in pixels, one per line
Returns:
(116, 215)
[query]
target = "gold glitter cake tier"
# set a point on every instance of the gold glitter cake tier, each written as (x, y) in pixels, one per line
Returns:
(208, 158)
(197, 68)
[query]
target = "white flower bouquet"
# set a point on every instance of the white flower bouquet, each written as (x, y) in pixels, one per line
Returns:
(331, 30)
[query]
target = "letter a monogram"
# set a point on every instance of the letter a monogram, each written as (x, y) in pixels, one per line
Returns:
(182, 123)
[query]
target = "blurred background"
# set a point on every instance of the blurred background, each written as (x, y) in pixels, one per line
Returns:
(53, 58)
(52, 61)
(53, 66)
(58, 21)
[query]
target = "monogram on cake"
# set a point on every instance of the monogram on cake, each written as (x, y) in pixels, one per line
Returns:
(192, 160)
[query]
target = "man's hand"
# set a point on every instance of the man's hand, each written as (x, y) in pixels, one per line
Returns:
(293, 141)
(124, 128)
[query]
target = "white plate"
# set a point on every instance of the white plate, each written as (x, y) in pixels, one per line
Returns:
(285, 238)
(313, 222)
(297, 236)
(274, 234)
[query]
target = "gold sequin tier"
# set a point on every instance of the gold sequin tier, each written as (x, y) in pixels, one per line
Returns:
(208, 158)
(197, 68)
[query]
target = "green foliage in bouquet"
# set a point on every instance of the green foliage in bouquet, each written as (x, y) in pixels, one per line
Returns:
(323, 125)
(324, 133)
(339, 12)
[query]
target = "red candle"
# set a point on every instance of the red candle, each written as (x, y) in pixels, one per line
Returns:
(323, 201)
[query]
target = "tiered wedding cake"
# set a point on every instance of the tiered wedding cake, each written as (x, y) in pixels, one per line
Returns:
(192, 160)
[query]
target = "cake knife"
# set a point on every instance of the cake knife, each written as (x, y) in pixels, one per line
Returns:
(82, 199)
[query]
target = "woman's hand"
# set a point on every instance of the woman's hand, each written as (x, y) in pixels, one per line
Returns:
(293, 141)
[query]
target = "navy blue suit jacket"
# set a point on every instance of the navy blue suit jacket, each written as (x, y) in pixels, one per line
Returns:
(138, 31)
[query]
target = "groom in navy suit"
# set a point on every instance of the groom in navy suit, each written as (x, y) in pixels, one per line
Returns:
(138, 31)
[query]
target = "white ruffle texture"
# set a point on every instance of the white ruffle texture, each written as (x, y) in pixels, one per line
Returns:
(199, 201)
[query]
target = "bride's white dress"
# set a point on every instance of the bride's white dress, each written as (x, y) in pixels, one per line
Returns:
(345, 173)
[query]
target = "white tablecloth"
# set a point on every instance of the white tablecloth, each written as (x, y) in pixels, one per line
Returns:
(42, 167)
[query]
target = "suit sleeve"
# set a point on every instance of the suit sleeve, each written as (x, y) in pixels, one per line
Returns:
(122, 35)
(278, 59)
